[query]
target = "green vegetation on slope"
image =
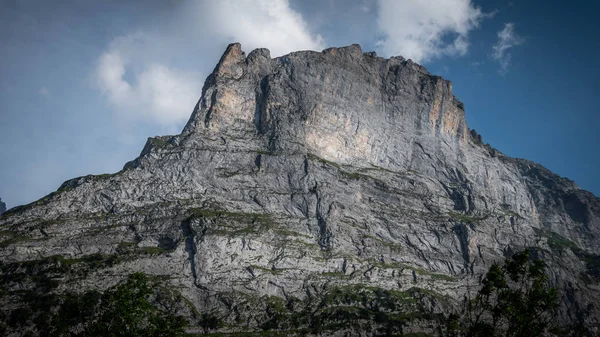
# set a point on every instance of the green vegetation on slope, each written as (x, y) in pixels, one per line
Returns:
(129, 309)
(355, 307)
(515, 301)
(558, 244)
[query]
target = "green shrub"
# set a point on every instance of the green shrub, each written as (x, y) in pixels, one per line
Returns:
(127, 312)
(515, 301)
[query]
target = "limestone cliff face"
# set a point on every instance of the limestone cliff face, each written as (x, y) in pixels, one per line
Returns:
(300, 177)
(341, 104)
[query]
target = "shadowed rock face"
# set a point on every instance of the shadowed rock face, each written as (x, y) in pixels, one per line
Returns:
(2, 206)
(301, 179)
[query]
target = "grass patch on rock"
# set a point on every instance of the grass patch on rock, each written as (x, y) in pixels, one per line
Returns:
(559, 244)
(465, 218)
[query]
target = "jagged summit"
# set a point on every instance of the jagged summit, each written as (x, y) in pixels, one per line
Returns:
(341, 104)
(298, 183)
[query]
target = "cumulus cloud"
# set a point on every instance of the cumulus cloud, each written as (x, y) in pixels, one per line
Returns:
(261, 23)
(423, 30)
(134, 74)
(507, 39)
(160, 93)
(141, 88)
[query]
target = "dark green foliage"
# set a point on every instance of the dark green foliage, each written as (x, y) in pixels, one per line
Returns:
(558, 243)
(9, 237)
(159, 141)
(233, 224)
(74, 310)
(209, 322)
(464, 218)
(514, 301)
(356, 307)
(19, 317)
(252, 334)
(127, 311)
(592, 263)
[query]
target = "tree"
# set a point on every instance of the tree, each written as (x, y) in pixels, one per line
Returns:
(128, 312)
(514, 301)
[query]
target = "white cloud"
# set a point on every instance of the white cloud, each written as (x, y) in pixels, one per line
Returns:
(153, 91)
(133, 72)
(507, 39)
(263, 23)
(423, 30)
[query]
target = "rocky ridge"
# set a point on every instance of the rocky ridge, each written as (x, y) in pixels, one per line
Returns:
(304, 189)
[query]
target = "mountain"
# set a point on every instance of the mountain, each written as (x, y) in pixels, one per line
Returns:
(336, 190)
(2, 207)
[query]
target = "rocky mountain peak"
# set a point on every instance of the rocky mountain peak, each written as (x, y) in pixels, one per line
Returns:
(342, 104)
(304, 186)
(2, 206)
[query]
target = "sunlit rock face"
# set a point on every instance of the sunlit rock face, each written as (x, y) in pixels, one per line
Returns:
(339, 104)
(299, 181)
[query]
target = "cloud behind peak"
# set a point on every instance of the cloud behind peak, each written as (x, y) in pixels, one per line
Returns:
(425, 30)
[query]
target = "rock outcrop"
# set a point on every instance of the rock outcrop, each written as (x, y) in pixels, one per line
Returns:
(304, 189)
(2, 207)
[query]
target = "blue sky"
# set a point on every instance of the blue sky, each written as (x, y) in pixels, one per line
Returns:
(83, 84)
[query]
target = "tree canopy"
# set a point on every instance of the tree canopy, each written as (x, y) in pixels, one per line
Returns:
(515, 300)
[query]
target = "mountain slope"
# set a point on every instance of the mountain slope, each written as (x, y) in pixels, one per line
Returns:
(305, 189)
